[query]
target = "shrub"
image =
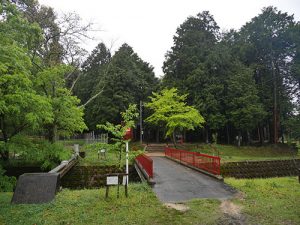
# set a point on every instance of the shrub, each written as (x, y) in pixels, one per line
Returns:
(38, 151)
(6, 183)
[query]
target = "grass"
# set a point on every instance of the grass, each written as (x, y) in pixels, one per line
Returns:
(90, 207)
(71, 142)
(112, 157)
(269, 201)
(265, 201)
(230, 153)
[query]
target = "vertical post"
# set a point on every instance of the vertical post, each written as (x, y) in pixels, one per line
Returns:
(127, 170)
(141, 122)
(76, 149)
(193, 159)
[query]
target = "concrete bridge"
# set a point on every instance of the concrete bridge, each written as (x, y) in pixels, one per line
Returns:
(181, 180)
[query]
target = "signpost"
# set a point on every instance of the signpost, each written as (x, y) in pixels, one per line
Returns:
(114, 179)
(128, 135)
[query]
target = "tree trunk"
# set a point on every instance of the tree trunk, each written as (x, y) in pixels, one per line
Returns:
(282, 135)
(157, 135)
(239, 139)
(261, 135)
(52, 132)
(268, 133)
(206, 135)
(227, 134)
(275, 99)
(248, 138)
(174, 139)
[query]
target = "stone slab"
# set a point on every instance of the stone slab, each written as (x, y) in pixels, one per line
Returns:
(33, 188)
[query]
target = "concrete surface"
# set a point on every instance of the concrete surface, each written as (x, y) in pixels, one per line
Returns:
(177, 183)
(36, 188)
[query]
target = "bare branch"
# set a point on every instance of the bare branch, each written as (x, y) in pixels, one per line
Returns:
(92, 98)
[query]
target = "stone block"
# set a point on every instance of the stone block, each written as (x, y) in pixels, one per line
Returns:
(36, 188)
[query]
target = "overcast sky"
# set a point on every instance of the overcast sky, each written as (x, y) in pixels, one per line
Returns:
(149, 25)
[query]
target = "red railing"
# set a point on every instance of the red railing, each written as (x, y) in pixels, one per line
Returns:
(205, 162)
(147, 164)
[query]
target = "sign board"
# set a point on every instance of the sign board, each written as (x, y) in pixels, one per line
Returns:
(129, 134)
(112, 180)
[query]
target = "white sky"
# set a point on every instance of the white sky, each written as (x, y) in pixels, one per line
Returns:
(149, 25)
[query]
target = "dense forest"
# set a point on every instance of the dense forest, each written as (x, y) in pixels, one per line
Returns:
(245, 83)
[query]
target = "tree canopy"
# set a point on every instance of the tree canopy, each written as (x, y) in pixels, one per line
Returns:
(171, 111)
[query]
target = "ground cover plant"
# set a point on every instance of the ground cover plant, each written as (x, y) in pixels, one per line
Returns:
(91, 207)
(229, 153)
(270, 201)
(94, 158)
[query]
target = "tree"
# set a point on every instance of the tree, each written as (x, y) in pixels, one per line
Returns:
(244, 109)
(123, 79)
(266, 47)
(67, 115)
(21, 107)
(93, 72)
(118, 131)
(192, 43)
(169, 108)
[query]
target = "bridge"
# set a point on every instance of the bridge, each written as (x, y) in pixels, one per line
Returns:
(179, 175)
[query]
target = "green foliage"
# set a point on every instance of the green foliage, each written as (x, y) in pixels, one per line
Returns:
(170, 110)
(265, 44)
(6, 183)
(112, 155)
(128, 120)
(193, 40)
(122, 79)
(93, 72)
(228, 77)
(244, 109)
(118, 131)
(21, 107)
(269, 201)
(67, 116)
(47, 155)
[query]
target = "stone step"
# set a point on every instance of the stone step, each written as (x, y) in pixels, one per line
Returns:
(156, 147)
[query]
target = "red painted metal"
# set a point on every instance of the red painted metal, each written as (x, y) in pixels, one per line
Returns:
(205, 162)
(129, 134)
(147, 164)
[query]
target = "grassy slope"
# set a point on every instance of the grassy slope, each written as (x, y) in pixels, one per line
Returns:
(90, 207)
(112, 158)
(232, 153)
(269, 201)
(266, 201)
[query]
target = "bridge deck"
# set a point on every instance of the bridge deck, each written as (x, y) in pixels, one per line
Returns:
(177, 183)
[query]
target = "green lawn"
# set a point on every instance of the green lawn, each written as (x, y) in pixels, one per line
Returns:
(90, 207)
(265, 201)
(229, 153)
(269, 201)
(112, 157)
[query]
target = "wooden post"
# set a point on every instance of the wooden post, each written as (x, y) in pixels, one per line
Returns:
(106, 192)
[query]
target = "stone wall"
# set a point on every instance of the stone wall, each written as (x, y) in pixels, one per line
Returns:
(85, 176)
(257, 169)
